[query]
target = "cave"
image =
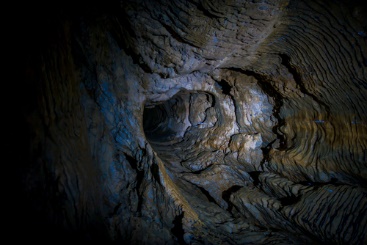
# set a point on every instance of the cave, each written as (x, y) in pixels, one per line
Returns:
(187, 122)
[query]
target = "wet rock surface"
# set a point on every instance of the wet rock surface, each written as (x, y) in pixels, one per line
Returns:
(193, 122)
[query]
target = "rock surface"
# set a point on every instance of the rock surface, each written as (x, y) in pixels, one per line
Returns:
(192, 122)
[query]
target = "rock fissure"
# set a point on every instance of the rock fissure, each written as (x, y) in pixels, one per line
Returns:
(227, 194)
(139, 180)
(177, 229)
(286, 61)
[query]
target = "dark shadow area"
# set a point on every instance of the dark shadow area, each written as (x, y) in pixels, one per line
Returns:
(166, 121)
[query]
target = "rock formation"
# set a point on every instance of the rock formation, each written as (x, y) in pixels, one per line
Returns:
(191, 122)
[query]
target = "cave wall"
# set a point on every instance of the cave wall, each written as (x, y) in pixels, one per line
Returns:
(192, 122)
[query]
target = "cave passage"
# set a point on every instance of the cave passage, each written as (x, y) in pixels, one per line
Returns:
(188, 122)
(178, 122)
(154, 118)
(167, 121)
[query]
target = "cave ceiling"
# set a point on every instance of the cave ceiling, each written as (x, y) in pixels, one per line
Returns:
(192, 122)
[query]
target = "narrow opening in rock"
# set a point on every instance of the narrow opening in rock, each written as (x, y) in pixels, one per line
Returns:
(173, 126)
(167, 121)
(153, 117)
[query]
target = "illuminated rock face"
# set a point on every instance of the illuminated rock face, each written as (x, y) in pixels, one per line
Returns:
(197, 122)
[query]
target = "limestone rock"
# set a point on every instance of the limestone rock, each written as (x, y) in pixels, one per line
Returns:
(190, 122)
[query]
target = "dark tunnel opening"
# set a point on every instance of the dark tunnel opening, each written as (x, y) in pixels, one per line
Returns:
(179, 122)
(167, 121)
(153, 117)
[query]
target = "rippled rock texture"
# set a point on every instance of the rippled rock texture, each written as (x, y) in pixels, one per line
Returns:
(192, 122)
